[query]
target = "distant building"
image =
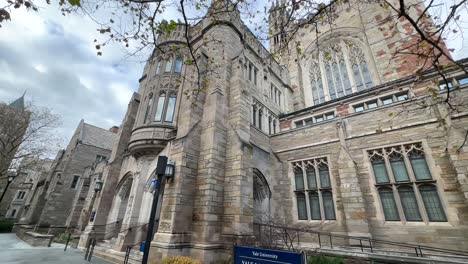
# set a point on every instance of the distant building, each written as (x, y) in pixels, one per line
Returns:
(54, 201)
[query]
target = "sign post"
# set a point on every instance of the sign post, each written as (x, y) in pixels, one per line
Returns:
(252, 255)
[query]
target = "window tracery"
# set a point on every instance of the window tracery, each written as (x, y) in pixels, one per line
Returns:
(338, 70)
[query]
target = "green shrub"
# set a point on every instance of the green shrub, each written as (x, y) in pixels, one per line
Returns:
(179, 260)
(324, 260)
(6, 226)
(61, 238)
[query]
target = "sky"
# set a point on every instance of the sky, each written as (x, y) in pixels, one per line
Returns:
(53, 58)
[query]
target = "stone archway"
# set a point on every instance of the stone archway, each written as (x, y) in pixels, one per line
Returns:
(119, 206)
(261, 197)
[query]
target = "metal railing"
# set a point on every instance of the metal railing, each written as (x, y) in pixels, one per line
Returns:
(287, 237)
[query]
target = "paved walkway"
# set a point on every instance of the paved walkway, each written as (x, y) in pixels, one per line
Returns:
(14, 251)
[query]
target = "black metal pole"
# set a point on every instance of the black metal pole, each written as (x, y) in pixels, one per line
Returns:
(4, 191)
(149, 234)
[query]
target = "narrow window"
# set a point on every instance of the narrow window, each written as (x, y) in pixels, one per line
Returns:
(301, 206)
(13, 213)
(178, 65)
(260, 114)
(463, 81)
(380, 171)
(366, 75)
(171, 102)
(398, 167)
(331, 86)
(346, 81)
(299, 123)
(419, 165)
(274, 126)
(337, 78)
(324, 176)
(329, 116)
(158, 67)
(74, 183)
(314, 203)
(311, 179)
(299, 179)
(148, 107)
(250, 71)
(357, 78)
(315, 92)
(160, 107)
(328, 207)
(408, 201)
(443, 85)
(388, 204)
(255, 75)
(402, 97)
(319, 118)
(269, 125)
(308, 121)
(254, 115)
(168, 67)
(279, 98)
(431, 200)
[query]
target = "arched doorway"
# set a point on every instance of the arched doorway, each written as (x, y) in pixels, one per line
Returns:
(261, 197)
(119, 207)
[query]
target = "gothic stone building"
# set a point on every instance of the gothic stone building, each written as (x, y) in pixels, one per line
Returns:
(335, 138)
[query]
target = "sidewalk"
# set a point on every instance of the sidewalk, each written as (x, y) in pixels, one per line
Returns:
(14, 251)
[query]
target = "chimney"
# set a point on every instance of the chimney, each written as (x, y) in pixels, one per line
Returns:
(114, 129)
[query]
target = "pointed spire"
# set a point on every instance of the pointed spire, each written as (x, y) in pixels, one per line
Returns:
(18, 104)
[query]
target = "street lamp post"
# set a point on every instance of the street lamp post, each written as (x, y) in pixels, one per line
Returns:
(11, 177)
(164, 169)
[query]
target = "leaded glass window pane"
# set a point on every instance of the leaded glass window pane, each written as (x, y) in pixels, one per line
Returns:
(463, 81)
(419, 165)
(315, 92)
(178, 65)
(314, 206)
(160, 107)
(380, 171)
(324, 177)
(331, 87)
(311, 179)
(328, 207)
(170, 108)
(431, 200)
(388, 204)
(168, 66)
(366, 75)
(357, 78)
(148, 107)
(320, 88)
(301, 207)
(337, 78)
(399, 169)
(158, 67)
(346, 81)
(409, 203)
(299, 178)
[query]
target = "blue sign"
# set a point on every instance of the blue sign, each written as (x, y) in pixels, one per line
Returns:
(251, 255)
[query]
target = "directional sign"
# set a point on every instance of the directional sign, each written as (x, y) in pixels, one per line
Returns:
(251, 255)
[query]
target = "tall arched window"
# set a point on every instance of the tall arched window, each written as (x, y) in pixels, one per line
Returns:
(171, 102)
(148, 107)
(178, 65)
(336, 69)
(160, 106)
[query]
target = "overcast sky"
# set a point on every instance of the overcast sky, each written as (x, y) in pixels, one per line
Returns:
(53, 58)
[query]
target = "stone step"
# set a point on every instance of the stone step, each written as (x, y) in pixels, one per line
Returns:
(117, 256)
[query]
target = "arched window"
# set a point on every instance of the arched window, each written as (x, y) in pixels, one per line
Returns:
(260, 115)
(398, 167)
(380, 171)
(419, 165)
(160, 107)
(409, 203)
(299, 179)
(148, 107)
(432, 203)
(168, 67)
(338, 76)
(324, 176)
(311, 178)
(388, 204)
(171, 102)
(178, 65)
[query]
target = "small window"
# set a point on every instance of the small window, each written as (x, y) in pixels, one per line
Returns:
(388, 204)
(330, 116)
(463, 81)
(311, 179)
(431, 200)
(168, 67)
(359, 108)
(299, 123)
(324, 177)
(308, 121)
(299, 179)
(100, 158)
(387, 100)
(409, 203)
(380, 171)
(372, 104)
(158, 67)
(419, 165)
(74, 183)
(319, 118)
(443, 85)
(398, 167)
(160, 107)
(402, 97)
(328, 207)
(314, 203)
(170, 108)
(301, 206)
(13, 213)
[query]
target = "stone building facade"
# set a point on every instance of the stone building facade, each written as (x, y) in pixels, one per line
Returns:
(61, 193)
(334, 138)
